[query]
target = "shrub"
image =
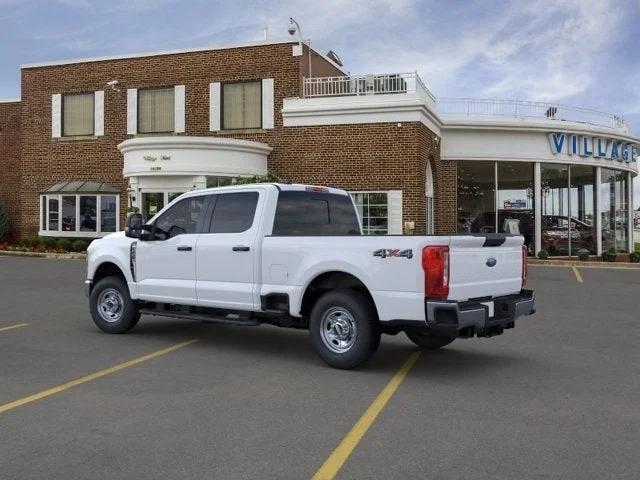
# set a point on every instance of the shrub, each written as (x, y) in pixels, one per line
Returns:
(583, 254)
(543, 254)
(4, 222)
(49, 242)
(612, 249)
(30, 242)
(79, 245)
(64, 244)
(268, 178)
(634, 257)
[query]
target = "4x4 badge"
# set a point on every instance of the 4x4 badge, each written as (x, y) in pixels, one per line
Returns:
(393, 252)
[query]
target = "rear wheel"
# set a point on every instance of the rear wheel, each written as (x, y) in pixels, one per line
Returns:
(427, 341)
(344, 328)
(112, 309)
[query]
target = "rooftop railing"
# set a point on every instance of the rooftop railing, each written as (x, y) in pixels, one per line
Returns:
(374, 84)
(395, 83)
(476, 107)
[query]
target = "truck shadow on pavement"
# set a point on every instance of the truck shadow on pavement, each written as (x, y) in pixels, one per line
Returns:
(283, 345)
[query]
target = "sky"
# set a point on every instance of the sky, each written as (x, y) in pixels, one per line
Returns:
(576, 52)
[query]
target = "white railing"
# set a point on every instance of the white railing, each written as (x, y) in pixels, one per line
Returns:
(473, 107)
(378, 84)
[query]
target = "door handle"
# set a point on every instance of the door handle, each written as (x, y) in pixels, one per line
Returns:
(184, 248)
(240, 248)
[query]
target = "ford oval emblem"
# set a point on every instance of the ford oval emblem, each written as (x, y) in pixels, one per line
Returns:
(491, 262)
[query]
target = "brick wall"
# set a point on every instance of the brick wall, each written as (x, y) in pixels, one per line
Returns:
(444, 182)
(354, 157)
(10, 160)
(46, 161)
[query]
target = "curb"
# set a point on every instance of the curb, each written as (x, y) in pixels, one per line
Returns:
(577, 263)
(54, 256)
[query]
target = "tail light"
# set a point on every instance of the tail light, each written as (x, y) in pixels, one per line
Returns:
(435, 263)
(525, 254)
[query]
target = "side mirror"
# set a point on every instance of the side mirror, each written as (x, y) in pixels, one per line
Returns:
(133, 225)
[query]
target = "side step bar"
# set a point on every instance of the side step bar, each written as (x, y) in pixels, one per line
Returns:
(229, 319)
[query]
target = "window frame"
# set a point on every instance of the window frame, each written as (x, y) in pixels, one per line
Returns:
(236, 82)
(93, 116)
(361, 220)
(138, 109)
(77, 233)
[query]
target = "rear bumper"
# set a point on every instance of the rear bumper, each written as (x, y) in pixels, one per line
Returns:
(471, 318)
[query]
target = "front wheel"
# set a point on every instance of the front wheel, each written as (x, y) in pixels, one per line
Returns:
(344, 328)
(111, 306)
(429, 342)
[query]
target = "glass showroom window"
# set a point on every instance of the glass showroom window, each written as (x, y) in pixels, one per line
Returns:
(156, 110)
(568, 206)
(516, 201)
(373, 210)
(78, 114)
(241, 105)
(78, 215)
(476, 197)
(614, 191)
(213, 181)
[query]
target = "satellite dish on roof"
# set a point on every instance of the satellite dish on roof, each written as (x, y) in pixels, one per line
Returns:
(334, 57)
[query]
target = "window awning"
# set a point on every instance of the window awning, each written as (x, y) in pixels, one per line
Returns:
(81, 186)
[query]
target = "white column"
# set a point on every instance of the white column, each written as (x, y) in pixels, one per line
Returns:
(598, 211)
(537, 203)
(630, 211)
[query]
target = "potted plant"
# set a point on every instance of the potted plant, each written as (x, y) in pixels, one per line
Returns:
(583, 255)
(610, 255)
(543, 254)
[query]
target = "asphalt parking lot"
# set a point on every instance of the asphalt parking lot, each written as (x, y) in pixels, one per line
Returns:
(557, 397)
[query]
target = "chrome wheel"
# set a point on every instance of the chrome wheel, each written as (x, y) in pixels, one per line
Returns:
(338, 330)
(110, 305)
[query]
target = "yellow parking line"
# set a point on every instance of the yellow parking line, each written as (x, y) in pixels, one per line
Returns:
(334, 463)
(11, 327)
(576, 272)
(74, 383)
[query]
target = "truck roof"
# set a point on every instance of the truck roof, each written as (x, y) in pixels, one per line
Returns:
(280, 186)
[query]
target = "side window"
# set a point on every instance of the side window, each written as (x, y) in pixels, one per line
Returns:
(304, 213)
(233, 212)
(182, 218)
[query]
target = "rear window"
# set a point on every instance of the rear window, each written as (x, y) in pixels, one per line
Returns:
(311, 213)
(233, 212)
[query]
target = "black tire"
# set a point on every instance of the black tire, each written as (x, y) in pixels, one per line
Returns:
(125, 314)
(338, 308)
(429, 342)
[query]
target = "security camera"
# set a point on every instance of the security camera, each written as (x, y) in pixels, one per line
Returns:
(112, 85)
(291, 29)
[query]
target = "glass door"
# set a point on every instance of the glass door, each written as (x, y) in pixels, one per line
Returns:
(152, 203)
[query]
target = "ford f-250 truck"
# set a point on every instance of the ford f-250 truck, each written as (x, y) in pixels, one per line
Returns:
(295, 256)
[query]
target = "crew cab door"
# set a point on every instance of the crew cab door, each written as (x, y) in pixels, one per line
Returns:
(226, 252)
(166, 264)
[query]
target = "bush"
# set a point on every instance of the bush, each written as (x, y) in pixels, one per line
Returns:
(49, 242)
(64, 244)
(634, 257)
(583, 255)
(4, 222)
(268, 178)
(79, 245)
(543, 254)
(30, 242)
(612, 249)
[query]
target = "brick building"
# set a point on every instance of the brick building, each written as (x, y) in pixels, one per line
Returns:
(91, 137)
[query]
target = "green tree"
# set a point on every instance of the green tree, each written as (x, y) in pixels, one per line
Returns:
(4, 221)
(268, 178)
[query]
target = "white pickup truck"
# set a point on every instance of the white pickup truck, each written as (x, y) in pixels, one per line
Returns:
(295, 256)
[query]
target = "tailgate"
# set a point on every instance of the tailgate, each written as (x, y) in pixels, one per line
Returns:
(484, 265)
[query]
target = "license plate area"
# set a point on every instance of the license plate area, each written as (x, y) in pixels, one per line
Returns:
(491, 308)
